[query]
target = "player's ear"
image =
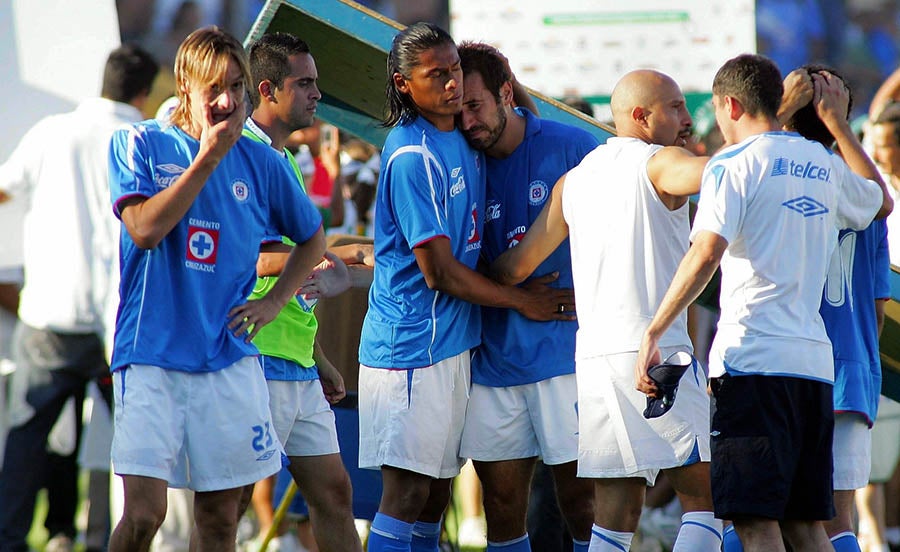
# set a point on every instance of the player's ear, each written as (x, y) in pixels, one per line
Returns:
(639, 115)
(265, 89)
(400, 83)
(506, 93)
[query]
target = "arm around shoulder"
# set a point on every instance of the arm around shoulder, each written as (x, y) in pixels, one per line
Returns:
(676, 172)
(543, 237)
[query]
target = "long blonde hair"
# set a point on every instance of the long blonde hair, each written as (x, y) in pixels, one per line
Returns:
(202, 59)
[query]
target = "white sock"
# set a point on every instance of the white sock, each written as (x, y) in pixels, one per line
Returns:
(604, 540)
(700, 531)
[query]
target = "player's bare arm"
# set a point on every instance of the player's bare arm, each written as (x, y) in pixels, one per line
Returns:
(444, 273)
(149, 219)
(694, 272)
(831, 99)
(248, 318)
(330, 378)
(676, 172)
(798, 91)
(543, 237)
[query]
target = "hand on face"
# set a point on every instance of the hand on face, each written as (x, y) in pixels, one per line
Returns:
(220, 129)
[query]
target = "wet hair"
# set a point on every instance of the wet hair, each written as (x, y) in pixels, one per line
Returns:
(487, 61)
(406, 49)
(129, 72)
(806, 121)
(754, 81)
(270, 60)
(202, 59)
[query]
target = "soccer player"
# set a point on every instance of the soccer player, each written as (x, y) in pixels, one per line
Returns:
(523, 398)
(297, 371)
(625, 211)
(770, 209)
(856, 289)
(196, 200)
(423, 319)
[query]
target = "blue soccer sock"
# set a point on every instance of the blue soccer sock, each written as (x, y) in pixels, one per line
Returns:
(730, 541)
(604, 540)
(699, 531)
(521, 544)
(388, 534)
(845, 542)
(580, 546)
(426, 536)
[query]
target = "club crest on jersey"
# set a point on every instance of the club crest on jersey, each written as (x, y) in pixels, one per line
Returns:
(166, 174)
(240, 190)
(202, 245)
(474, 240)
(537, 192)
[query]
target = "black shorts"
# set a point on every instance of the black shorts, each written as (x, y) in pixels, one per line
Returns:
(770, 442)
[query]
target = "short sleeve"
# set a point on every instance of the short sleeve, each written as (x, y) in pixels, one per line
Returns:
(129, 170)
(721, 206)
(859, 200)
(416, 188)
(292, 213)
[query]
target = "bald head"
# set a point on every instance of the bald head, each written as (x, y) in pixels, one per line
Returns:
(643, 95)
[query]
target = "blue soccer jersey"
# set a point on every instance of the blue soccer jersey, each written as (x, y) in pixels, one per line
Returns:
(858, 275)
(175, 298)
(431, 186)
(515, 350)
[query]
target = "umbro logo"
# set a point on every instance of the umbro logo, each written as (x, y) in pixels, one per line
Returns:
(806, 206)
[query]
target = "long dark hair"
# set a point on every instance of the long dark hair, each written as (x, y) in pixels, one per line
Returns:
(406, 48)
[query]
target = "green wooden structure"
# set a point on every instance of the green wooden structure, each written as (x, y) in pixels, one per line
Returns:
(350, 44)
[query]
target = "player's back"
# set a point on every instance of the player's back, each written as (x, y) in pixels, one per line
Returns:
(779, 200)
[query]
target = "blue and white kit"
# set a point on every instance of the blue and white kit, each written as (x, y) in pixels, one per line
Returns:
(514, 349)
(858, 276)
(175, 298)
(431, 185)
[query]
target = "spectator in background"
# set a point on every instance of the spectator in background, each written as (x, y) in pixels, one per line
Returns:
(884, 137)
(360, 165)
(61, 167)
(318, 155)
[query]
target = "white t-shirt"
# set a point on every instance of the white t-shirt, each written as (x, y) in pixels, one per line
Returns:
(626, 246)
(70, 241)
(779, 200)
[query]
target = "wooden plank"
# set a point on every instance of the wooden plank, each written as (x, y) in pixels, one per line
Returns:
(350, 43)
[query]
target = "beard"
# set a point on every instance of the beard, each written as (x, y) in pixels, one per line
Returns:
(493, 133)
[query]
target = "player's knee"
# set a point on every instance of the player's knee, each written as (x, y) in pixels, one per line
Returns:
(144, 520)
(332, 494)
(505, 504)
(578, 511)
